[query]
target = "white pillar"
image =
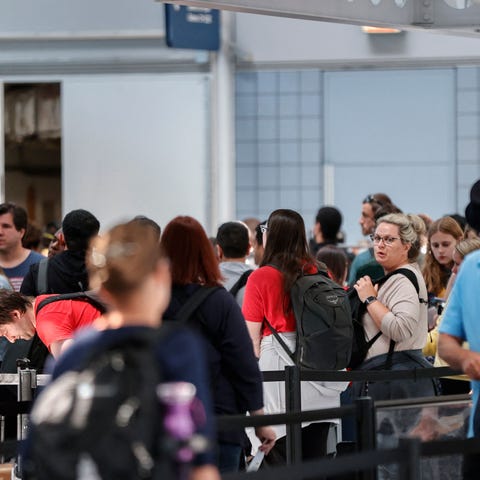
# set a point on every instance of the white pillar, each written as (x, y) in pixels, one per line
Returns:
(2, 142)
(222, 205)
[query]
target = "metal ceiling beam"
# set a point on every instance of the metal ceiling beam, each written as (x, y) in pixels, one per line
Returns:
(432, 14)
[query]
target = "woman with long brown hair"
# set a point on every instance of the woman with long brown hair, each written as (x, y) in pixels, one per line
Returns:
(235, 378)
(267, 297)
(443, 235)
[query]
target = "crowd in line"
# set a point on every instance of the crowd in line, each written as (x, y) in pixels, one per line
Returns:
(145, 276)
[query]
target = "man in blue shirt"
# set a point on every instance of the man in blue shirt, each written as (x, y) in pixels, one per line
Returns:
(461, 323)
(14, 258)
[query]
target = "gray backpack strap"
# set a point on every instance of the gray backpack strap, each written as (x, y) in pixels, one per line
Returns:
(42, 280)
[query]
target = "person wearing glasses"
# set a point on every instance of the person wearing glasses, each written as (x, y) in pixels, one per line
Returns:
(372, 268)
(395, 309)
(370, 205)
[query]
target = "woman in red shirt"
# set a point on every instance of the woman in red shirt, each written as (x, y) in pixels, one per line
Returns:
(267, 296)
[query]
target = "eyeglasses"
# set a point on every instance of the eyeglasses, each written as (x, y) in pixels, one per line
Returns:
(388, 241)
(263, 228)
(371, 199)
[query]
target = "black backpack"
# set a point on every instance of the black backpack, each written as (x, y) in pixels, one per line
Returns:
(324, 323)
(361, 346)
(240, 283)
(89, 297)
(34, 350)
(42, 276)
(103, 419)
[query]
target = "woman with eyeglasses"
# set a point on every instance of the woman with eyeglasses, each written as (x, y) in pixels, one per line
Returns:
(267, 297)
(396, 309)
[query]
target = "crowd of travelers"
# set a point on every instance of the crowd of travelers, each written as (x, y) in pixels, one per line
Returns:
(224, 302)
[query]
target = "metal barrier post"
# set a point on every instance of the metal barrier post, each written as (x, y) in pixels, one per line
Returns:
(365, 419)
(410, 468)
(27, 381)
(293, 404)
(2, 435)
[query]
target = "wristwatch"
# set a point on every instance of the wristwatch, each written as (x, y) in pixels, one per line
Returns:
(370, 300)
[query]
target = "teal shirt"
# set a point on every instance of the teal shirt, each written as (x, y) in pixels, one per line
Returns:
(361, 259)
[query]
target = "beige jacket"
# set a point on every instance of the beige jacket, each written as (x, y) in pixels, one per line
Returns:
(407, 322)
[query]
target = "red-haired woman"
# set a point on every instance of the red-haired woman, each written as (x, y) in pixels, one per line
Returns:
(235, 378)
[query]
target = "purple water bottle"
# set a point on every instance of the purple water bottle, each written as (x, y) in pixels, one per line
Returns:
(177, 398)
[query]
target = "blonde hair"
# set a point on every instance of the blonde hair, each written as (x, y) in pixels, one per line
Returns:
(410, 228)
(464, 247)
(121, 260)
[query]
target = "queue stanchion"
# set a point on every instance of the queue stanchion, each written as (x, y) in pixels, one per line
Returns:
(27, 382)
(366, 428)
(410, 468)
(293, 404)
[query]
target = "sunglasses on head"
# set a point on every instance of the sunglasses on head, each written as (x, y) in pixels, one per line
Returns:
(371, 199)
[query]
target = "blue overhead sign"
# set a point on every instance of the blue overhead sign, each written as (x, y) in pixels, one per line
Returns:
(192, 27)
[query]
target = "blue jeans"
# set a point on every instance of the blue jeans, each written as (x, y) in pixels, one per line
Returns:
(229, 456)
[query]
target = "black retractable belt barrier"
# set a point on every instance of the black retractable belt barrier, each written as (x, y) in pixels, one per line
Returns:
(364, 410)
(326, 467)
(450, 447)
(15, 408)
(233, 422)
(407, 455)
(364, 375)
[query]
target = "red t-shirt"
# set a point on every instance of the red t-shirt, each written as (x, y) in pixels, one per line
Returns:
(264, 298)
(60, 320)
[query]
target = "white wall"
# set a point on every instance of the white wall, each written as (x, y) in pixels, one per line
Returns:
(392, 132)
(41, 17)
(264, 39)
(136, 145)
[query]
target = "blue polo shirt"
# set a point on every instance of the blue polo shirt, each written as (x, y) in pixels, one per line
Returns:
(462, 315)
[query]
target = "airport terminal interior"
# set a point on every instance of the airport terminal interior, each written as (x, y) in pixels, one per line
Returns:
(226, 110)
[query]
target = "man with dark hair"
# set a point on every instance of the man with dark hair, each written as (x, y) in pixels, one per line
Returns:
(21, 317)
(79, 226)
(370, 206)
(326, 229)
(233, 247)
(65, 272)
(14, 258)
